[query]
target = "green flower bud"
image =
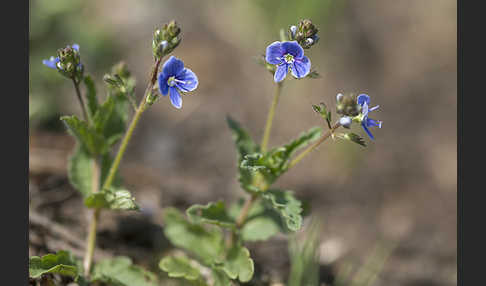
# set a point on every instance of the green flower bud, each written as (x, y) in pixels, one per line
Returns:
(347, 105)
(165, 40)
(70, 63)
(306, 34)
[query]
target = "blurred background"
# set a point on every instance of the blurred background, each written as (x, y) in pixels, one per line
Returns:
(401, 189)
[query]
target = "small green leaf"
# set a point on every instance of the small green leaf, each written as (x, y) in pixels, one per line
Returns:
(179, 267)
(91, 95)
(274, 163)
(260, 228)
(244, 145)
(206, 244)
(114, 199)
(288, 207)
(103, 114)
(220, 278)
(80, 170)
(86, 136)
(120, 271)
(313, 74)
(62, 263)
(238, 264)
(212, 213)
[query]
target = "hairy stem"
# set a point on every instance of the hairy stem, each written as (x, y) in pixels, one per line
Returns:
(271, 114)
(81, 101)
(313, 146)
(128, 135)
(91, 238)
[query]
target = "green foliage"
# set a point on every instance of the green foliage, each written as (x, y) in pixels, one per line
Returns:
(287, 206)
(114, 199)
(120, 271)
(91, 95)
(304, 258)
(62, 263)
(275, 162)
(88, 138)
(179, 267)
(238, 264)
(244, 146)
(206, 244)
(212, 213)
(80, 170)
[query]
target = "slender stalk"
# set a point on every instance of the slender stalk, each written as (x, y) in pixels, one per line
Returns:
(245, 210)
(128, 135)
(271, 114)
(81, 101)
(95, 214)
(313, 146)
(91, 239)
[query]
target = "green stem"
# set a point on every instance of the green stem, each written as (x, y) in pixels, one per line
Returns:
(91, 238)
(313, 146)
(81, 101)
(128, 135)
(271, 114)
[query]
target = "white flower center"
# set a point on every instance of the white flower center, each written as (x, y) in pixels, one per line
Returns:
(289, 58)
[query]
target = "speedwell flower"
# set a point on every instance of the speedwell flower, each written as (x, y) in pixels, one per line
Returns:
(175, 78)
(287, 55)
(52, 61)
(364, 101)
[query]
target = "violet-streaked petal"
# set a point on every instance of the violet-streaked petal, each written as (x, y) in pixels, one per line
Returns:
(362, 98)
(372, 122)
(51, 62)
(163, 86)
(281, 72)
(293, 48)
(187, 80)
(367, 130)
(365, 110)
(301, 68)
(172, 67)
(274, 53)
(175, 97)
(76, 47)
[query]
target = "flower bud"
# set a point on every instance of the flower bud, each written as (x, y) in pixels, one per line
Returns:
(345, 121)
(292, 32)
(165, 40)
(306, 34)
(70, 62)
(347, 105)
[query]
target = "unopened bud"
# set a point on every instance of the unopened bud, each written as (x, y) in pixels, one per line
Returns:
(345, 121)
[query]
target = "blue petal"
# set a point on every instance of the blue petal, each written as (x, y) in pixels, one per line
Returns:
(163, 86)
(365, 110)
(372, 122)
(362, 98)
(76, 47)
(172, 67)
(293, 48)
(175, 97)
(51, 63)
(281, 72)
(301, 68)
(367, 130)
(187, 80)
(374, 108)
(274, 53)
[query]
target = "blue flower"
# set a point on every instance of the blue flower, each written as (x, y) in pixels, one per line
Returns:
(174, 78)
(287, 55)
(364, 101)
(52, 61)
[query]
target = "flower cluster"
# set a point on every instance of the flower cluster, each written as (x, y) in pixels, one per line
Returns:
(165, 40)
(67, 62)
(356, 110)
(305, 33)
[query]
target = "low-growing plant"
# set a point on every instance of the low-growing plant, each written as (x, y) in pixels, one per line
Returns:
(213, 235)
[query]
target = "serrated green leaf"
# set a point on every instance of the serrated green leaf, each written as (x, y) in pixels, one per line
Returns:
(244, 145)
(274, 163)
(117, 123)
(89, 139)
(114, 199)
(91, 95)
(238, 264)
(80, 170)
(212, 213)
(179, 267)
(120, 271)
(62, 263)
(206, 244)
(103, 114)
(288, 207)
